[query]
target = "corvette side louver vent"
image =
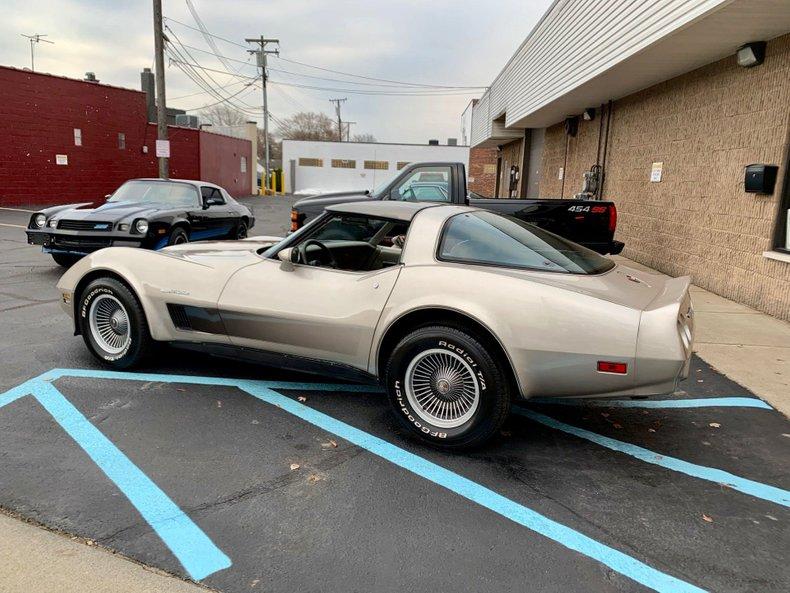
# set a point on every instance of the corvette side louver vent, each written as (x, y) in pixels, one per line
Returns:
(179, 316)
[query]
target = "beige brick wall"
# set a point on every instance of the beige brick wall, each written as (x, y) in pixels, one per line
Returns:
(705, 126)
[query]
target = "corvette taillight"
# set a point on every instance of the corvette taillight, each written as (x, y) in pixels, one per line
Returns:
(619, 368)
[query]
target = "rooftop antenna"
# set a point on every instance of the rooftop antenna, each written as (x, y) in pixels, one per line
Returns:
(36, 38)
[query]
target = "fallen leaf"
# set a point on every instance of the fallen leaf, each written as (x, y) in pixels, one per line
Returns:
(651, 430)
(714, 425)
(707, 519)
(180, 389)
(295, 466)
(302, 398)
(254, 582)
(616, 425)
(605, 414)
(255, 422)
(329, 444)
(313, 478)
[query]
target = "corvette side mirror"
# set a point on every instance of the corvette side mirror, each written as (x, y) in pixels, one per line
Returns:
(286, 257)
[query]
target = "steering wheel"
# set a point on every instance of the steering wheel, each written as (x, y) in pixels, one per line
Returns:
(301, 250)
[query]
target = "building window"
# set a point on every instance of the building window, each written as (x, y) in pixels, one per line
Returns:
(402, 164)
(343, 164)
(377, 165)
(311, 162)
(244, 164)
(121, 141)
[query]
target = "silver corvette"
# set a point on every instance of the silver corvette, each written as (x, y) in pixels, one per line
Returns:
(456, 310)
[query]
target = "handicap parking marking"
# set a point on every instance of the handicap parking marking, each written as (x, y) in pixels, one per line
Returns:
(705, 402)
(485, 497)
(209, 560)
(718, 476)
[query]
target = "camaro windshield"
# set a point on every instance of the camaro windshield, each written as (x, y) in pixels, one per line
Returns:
(167, 192)
(493, 239)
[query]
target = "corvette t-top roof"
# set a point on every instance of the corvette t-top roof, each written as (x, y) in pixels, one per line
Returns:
(390, 209)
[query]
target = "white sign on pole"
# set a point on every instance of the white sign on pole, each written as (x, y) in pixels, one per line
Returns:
(61, 159)
(656, 172)
(163, 149)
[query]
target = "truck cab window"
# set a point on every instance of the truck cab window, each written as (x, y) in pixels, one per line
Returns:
(425, 184)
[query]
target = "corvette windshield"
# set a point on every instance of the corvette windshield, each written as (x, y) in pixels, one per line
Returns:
(161, 192)
(492, 239)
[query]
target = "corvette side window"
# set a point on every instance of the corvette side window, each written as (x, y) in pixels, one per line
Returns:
(488, 238)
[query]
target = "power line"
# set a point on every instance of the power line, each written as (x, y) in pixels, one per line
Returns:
(204, 92)
(378, 93)
(167, 18)
(206, 35)
(414, 84)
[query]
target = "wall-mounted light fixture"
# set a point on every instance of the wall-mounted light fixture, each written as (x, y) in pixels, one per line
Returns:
(751, 54)
(589, 114)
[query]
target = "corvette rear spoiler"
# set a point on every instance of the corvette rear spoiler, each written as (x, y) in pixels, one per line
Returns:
(673, 292)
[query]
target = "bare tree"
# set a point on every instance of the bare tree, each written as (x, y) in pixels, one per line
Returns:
(308, 126)
(275, 147)
(363, 138)
(223, 115)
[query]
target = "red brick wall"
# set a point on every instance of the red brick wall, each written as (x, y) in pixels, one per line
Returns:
(482, 168)
(220, 162)
(38, 115)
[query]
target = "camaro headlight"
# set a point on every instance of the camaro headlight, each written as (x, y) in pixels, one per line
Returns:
(40, 220)
(141, 226)
(53, 223)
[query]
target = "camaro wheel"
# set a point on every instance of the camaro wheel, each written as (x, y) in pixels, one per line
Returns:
(178, 236)
(241, 230)
(113, 323)
(65, 260)
(446, 389)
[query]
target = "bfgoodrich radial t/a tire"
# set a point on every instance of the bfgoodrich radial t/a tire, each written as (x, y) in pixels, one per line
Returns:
(113, 323)
(446, 389)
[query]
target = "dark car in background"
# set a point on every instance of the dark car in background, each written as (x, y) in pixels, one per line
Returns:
(147, 213)
(590, 223)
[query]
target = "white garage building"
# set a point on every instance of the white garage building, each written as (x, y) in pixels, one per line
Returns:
(317, 167)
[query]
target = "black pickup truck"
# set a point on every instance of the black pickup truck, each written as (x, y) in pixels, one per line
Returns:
(588, 222)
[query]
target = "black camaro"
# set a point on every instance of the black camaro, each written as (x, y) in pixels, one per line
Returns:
(148, 213)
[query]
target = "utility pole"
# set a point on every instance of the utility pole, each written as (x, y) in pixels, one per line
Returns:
(261, 56)
(337, 103)
(36, 38)
(348, 125)
(163, 145)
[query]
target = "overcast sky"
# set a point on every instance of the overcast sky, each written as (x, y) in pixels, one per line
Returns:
(438, 42)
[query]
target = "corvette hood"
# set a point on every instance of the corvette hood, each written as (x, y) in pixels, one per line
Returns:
(215, 254)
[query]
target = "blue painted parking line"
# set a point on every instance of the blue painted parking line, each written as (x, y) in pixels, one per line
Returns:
(705, 402)
(193, 548)
(267, 391)
(199, 556)
(472, 491)
(756, 489)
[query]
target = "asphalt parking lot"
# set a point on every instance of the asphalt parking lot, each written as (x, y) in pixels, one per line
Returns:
(249, 478)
